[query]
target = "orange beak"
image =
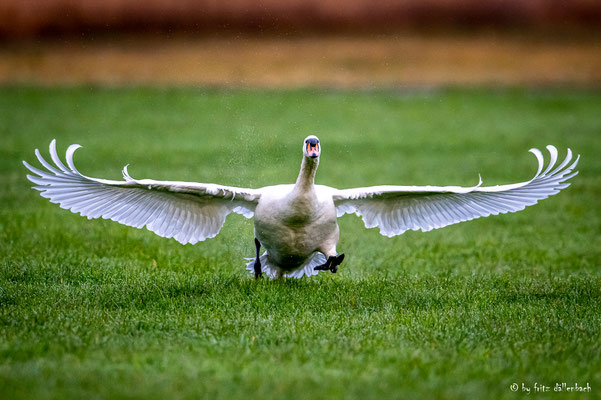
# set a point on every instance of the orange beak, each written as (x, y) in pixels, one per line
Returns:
(312, 150)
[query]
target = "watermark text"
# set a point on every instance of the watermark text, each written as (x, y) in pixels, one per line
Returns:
(557, 387)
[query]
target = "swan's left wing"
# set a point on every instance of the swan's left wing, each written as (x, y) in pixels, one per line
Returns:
(186, 211)
(396, 209)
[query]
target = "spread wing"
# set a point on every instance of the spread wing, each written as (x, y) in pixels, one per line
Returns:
(186, 211)
(395, 209)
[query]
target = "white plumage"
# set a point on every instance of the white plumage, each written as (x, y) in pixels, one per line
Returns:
(187, 212)
(295, 223)
(396, 209)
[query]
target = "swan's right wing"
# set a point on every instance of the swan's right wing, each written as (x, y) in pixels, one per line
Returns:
(396, 209)
(186, 211)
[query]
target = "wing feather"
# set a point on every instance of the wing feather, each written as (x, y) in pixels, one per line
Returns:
(187, 211)
(396, 209)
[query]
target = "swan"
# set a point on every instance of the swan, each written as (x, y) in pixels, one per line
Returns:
(295, 223)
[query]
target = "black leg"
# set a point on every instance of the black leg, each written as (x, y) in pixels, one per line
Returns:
(258, 260)
(331, 264)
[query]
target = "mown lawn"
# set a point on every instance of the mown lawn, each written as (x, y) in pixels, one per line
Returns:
(93, 309)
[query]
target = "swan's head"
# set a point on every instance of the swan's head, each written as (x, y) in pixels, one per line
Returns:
(311, 147)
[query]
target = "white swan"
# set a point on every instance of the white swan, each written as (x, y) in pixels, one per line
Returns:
(297, 224)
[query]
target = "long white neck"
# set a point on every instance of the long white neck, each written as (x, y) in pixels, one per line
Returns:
(306, 176)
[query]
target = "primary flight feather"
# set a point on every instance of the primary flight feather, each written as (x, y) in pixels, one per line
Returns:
(296, 223)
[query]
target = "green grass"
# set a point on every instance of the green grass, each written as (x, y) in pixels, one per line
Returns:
(93, 309)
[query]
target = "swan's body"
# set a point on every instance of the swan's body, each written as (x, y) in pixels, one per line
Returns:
(297, 224)
(294, 226)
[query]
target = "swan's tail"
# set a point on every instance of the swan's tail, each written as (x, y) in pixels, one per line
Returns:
(272, 271)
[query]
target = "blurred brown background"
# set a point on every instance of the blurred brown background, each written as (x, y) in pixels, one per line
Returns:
(37, 17)
(292, 43)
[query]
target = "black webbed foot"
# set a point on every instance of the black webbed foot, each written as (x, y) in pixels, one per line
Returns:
(324, 267)
(336, 262)
(331, 264)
